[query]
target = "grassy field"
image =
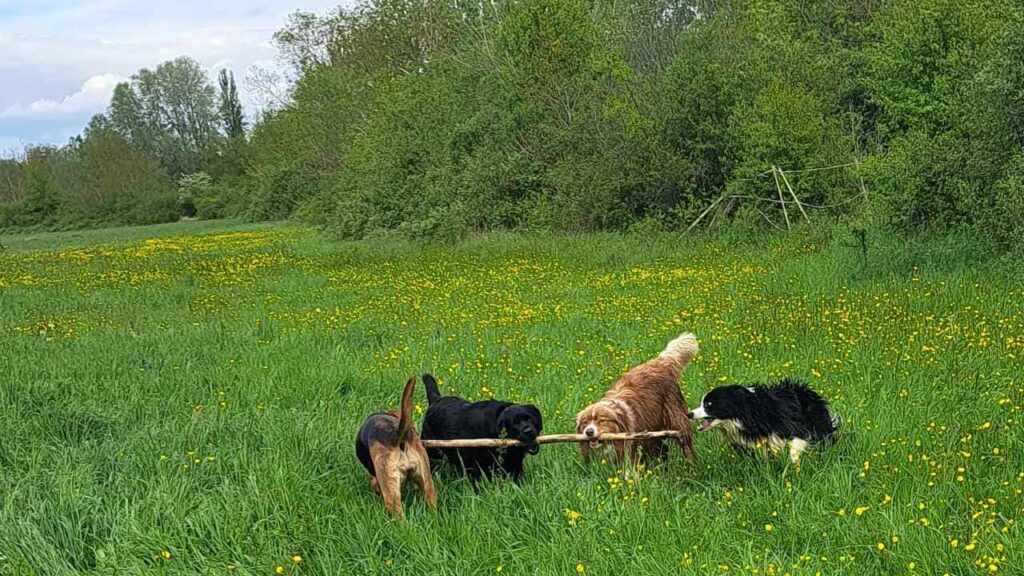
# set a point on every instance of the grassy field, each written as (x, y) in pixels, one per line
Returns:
(186, 403)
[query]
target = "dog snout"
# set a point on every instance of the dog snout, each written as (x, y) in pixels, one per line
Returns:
(590, 431)
(689, 415)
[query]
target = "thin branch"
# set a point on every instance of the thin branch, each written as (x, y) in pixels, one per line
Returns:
(793, 194)
(705, 212)
(549, 439)
(778, 187)
(863, 188)
(767, 219)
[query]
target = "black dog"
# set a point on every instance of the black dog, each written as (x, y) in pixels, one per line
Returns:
(451, 417)
(766, 418)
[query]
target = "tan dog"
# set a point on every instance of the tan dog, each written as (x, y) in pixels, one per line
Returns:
(646, 398)
(390, 449)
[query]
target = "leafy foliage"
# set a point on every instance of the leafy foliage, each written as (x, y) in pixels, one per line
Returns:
(422, 118)
(437, 119)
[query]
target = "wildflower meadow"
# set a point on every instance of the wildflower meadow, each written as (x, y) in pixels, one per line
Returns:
(184, 400)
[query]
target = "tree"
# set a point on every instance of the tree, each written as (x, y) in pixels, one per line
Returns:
(169, 113)
(232, 120)
(42, 195)
(12, 180)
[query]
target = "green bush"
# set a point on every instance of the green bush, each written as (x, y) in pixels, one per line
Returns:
(1006, 217)
(10, 215)
(277, 193)
(439, 120)
(190, 188)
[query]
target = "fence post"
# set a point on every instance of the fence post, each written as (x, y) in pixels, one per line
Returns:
(778, 187)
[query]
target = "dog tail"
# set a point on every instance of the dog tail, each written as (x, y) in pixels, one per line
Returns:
(405, 423)
(837, 421)
(682, 349)
(433, 394)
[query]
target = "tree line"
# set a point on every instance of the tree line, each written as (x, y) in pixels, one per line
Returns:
(436, 119)
(164, 129)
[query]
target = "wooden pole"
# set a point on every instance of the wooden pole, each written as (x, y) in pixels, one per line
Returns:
(793, 194)
(785, 214)
(863, 188)
(705, 213)
(549, 439)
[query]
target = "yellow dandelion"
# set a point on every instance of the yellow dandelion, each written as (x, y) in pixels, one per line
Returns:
(880, 546)
(297, 559)
(954, 543)
(768, 527)
(860, 510)
(572, 517)
(579, 568)
(166, 554)
(279, 570)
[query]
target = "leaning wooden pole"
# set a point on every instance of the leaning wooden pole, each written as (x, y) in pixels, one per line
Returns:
(793, 194)
(785, 214)
(549, 439)
(705, 212)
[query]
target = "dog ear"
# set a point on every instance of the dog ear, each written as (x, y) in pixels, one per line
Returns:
(502, 423)
(535, 414)
(579, 420)
(620, 423)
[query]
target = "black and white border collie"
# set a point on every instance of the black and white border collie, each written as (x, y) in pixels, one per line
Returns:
(766, 418)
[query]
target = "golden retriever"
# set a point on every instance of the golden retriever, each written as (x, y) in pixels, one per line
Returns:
(647, 398)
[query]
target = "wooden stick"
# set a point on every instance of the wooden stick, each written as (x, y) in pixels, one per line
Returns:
(785, 214)
(793, 194)
(863, 188)
(705, 213)
(549, 439)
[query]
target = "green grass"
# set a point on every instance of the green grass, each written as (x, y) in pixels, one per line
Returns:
(197, 396)
(55, 240)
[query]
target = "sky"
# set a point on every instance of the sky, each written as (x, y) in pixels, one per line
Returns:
(60, 60)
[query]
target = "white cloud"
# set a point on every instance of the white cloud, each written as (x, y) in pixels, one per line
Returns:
(57, 58)
(93, 96)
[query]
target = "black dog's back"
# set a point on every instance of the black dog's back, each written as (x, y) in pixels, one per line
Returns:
(451, 417)
(800, 411)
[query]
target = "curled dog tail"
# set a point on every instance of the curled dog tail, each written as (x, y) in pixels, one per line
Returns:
(682, 349)
(405, 424)
(433, 394)
(837, 422)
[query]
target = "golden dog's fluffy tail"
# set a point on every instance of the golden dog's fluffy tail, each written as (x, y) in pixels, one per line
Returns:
(681, 350)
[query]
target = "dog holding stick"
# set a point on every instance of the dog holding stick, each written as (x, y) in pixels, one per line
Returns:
(645, 398)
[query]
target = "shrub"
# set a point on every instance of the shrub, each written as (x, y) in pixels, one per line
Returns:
(1006, 217)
